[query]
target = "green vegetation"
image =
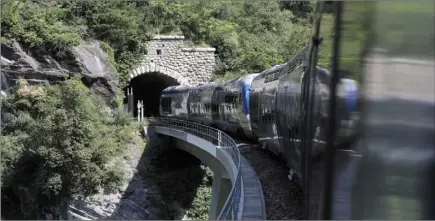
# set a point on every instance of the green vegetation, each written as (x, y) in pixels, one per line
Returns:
(200, 206)
(184, 183)
(59, 142)
(249, 36)
(39, 29)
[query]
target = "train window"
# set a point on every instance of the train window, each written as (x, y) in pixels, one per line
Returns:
(177, 102)
(207, 107)
(166, 104)
(227, 99)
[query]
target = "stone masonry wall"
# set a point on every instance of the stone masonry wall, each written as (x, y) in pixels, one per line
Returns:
(194, 64)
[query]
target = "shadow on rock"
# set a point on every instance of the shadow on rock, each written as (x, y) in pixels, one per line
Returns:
(164, 183)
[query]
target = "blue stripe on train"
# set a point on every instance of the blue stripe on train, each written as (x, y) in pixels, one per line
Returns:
(351, 96)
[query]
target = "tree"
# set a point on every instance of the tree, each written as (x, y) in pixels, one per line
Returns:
(120, 24)
(64, 140)
(300, 8)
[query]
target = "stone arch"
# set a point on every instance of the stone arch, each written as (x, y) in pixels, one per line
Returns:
(155, 68)
(145, 85)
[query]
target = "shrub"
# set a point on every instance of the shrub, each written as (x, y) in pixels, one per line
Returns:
(60, 143)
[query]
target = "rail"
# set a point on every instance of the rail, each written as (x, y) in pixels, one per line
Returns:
(231, 207)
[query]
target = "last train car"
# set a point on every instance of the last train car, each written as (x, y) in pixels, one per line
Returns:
(173, 102)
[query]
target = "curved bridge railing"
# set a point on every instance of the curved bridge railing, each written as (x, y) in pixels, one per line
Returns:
(231, 207)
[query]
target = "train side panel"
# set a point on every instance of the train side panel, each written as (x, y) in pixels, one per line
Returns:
(200, 103)
(262, 106)
(229, 107)
(290, 114)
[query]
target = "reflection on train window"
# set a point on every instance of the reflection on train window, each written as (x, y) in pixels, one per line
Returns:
(166, 105)
(215, 107)
(207, 107)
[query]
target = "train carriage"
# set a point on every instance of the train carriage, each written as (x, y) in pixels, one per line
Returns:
(173, 102)
(199, 103)
(227, 100)
(289, 111)
(232, 105)
(262, 104)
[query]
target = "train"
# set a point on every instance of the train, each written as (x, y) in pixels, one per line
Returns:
(268, 107)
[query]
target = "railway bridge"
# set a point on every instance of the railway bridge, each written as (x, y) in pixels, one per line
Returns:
(236, 190)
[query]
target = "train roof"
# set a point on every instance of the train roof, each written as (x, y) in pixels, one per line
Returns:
(176, 89)
(249, 78)
(207, 86)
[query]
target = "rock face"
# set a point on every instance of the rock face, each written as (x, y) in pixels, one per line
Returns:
(172, 55)
(138, 199)
(87, 60)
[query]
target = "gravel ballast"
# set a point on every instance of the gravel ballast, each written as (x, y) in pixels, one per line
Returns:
(283, 198)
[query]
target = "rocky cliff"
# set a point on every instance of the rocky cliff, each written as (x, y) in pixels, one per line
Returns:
(87, 60)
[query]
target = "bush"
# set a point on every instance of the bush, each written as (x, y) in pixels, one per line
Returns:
(60, 143)
(37, 28)
(200, 207)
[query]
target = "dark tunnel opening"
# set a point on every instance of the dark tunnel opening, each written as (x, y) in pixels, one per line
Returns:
(147, 88)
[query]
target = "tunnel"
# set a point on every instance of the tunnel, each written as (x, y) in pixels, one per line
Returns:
(147, 88)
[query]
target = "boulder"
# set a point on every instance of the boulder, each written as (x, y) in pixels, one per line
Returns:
(87, 60)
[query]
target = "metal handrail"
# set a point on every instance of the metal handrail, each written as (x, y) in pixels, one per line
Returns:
(231, 208)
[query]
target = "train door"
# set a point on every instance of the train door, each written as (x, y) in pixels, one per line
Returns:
(254, 111)
(267, 128)
(234, 111)
(184, 113)
(262, 113)
(166, 106)
(215, 101)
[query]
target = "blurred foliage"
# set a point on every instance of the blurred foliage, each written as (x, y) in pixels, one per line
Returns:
(200, 207)
(405, 28)
(40, 29)
(60, 141)
(355, 33)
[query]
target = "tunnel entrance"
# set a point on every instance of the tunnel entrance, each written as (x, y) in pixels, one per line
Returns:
(147, 88)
